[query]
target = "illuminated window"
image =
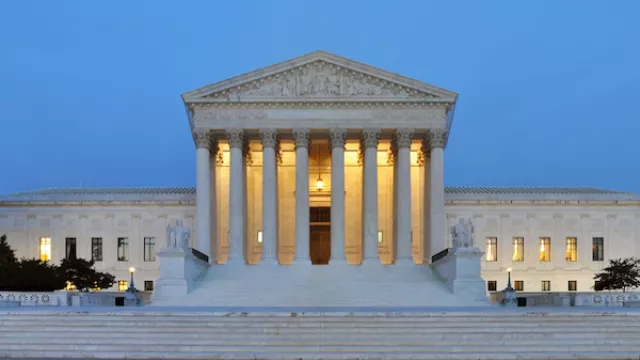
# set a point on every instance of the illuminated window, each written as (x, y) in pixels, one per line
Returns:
(546, 285)
(518, 249)
(45, 248)
(518, 285)
(123, 249)
(96, 249)
(149, 249)
(123, 285)
(571, 253)
(598, 249)
(492, 285)
(545, 249)
(70, 286)
(572, 285)
(70, 248)
(492, 249)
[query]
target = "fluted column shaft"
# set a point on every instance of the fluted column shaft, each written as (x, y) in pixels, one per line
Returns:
(337, 138)
(269, 197)
(370, 195)
(403, 190)
(437, 142)
(426, 203)
(236, 197)
(202, 139)
(301, 138)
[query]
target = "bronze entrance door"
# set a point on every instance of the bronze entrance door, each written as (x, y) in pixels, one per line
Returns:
(320, 235)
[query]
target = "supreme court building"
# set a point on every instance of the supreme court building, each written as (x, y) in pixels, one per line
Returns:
(321, 160)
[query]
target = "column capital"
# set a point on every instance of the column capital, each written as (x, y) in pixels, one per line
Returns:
(403, 137)
(235, 137)
(337, 137)
(269, 138)
(202, 138)
(370, 137)
(437, 138)
(301, 137)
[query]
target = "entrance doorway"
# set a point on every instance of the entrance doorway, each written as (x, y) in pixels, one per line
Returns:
(320, 235)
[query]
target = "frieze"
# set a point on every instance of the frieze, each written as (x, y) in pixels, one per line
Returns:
(389, 107)
(320, 79)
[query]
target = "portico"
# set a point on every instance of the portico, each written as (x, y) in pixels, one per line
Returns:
(375, 138)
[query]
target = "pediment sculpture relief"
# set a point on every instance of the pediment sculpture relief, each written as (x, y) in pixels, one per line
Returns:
(320, 79)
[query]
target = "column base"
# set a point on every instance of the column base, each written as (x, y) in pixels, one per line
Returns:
(268, 262)
(338, 262)
(370, 262)
(301, 262)
(234, 262)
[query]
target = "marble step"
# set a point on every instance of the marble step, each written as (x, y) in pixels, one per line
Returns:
(442, 336)
(281, 341)
(345, 349)
(502, 355)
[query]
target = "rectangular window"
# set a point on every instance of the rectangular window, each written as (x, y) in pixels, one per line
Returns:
(45, 248)
(546, 285)
(96, 249)
(518, 285)
(492, 249)
(123, 249)
(492, 285)
(598, 249)
(123, 285)
(149, 249)
(148, 285)
(545, 249)
(571, 254)
(518, 249)
(572, 285)
(70, 248)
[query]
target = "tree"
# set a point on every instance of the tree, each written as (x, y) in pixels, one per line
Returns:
(81, 273)
(7, 254)
(37, 275)
(619, 275)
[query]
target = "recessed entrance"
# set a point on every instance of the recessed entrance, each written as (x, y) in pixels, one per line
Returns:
(320, 235)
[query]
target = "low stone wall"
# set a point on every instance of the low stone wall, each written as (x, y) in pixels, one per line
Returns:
(26, 298)
(577, 299)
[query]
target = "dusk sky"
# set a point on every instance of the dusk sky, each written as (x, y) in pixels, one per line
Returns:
(90, 93)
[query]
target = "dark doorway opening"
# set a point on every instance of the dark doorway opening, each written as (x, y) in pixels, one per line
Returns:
(320, 235)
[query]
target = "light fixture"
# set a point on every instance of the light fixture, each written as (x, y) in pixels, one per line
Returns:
(259, 237)
(132, 286)
(379, 237)
(319, 182)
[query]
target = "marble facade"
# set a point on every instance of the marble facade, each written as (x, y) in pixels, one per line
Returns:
(376, 140)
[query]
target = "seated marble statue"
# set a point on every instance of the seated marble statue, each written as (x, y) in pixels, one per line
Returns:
(178, 236)
(463, 234)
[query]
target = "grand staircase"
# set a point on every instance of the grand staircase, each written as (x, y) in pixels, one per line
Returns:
(153, 333)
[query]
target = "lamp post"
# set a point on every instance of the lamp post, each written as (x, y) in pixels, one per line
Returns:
(131, 295)
(510, 298)
(132, 286)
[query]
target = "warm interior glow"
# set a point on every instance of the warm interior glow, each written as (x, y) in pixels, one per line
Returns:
(259, 237)
(45, 248)
(132, 269)
(319, 184)
(379, 237)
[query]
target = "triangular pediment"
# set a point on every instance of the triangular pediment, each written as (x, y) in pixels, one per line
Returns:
(319, 75)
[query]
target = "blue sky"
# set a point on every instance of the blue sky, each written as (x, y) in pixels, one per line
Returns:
(90, 94)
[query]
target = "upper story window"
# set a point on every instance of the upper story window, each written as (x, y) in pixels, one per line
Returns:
(149, 249)
(571, 253)
(492, 249)
(70, 248)
(598, 249)
(44, 248)
(96, 249)
(123, 249)
(545, 249)
(518, 249)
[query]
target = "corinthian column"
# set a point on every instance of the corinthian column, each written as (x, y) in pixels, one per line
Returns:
(370, 195)
(301, 138)
(437, 141)
(236, 196)
(202, 139)
(269, 197)
(337, 138)
(403, 191)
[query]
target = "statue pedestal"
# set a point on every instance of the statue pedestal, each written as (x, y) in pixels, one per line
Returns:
(460, 269)
(179, 270)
